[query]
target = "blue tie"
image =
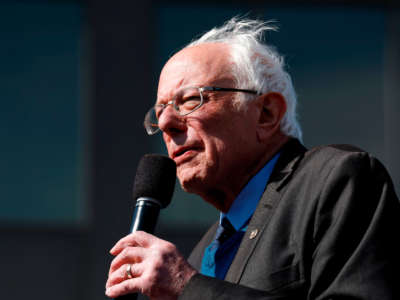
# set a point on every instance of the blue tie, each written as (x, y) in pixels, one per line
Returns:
(219, 255)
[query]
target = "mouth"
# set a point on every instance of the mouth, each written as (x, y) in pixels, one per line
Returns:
(182, 153)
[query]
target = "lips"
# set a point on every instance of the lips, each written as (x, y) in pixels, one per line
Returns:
(182, 153)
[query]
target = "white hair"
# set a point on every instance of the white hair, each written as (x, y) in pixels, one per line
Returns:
(257, 66)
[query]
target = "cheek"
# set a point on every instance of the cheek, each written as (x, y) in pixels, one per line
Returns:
(231, 147)
(214, 148)
(193, 174)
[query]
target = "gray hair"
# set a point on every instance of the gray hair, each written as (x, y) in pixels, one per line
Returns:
(256, 65)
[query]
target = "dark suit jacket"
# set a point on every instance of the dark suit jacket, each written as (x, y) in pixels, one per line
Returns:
(326, 227)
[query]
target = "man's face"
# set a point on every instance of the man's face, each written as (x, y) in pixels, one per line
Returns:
(214, 147)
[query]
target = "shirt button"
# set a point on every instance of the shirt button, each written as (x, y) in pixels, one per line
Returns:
(253, 234)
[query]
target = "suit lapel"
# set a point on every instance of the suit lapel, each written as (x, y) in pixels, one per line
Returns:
(291, 154)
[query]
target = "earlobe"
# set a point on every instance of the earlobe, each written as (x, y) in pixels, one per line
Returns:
(272, 110)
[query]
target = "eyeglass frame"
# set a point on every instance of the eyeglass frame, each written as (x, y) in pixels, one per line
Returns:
(173, 103)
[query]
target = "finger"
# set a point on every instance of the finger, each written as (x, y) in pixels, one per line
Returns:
(117, 276)
(127, 241)
(128, 256)
(137, 238)
(122, 274)
(125, 287)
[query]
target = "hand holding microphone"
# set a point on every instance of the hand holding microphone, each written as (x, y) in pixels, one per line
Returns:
(144, 263)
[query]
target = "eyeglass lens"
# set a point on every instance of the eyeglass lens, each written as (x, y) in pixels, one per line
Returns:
(184, 102)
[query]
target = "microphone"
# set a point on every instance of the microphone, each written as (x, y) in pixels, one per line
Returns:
(153, 188)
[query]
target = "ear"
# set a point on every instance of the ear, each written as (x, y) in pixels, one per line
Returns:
(272, 109)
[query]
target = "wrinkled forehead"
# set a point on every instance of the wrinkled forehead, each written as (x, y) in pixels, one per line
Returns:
(206, 64)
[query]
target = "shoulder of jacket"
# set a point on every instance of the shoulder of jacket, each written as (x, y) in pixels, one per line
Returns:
(336, 151)
(320, 160)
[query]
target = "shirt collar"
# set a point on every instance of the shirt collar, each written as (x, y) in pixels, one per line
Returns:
(246, 202)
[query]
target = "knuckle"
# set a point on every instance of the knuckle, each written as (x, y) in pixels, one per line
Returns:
(130, 287)
(122, 274)
(139, 233)
(126, 288)
(169, 252)
(157, 262)
(125, 253)
(170, 248)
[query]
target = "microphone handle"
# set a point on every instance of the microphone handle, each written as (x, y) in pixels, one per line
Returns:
(145, 215)
(144, 219)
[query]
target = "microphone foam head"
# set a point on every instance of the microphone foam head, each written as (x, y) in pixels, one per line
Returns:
(155, 178)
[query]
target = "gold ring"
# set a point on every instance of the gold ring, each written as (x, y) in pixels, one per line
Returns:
(128, 271)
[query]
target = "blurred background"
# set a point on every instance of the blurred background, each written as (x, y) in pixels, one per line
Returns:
(77, 77)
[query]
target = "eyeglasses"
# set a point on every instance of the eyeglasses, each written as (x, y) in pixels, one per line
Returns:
(186, 101)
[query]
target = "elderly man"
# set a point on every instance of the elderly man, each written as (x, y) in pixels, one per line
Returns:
(295, 223)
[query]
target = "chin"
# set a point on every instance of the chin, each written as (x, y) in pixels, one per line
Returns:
(191, 181)
(190, 184)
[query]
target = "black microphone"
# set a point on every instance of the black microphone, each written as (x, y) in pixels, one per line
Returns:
(153, 188)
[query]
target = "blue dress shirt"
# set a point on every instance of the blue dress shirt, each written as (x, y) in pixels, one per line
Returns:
(218, 257)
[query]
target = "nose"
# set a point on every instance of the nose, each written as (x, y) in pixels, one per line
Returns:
(170, 122)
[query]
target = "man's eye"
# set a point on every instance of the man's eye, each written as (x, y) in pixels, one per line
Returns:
(190, 103)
